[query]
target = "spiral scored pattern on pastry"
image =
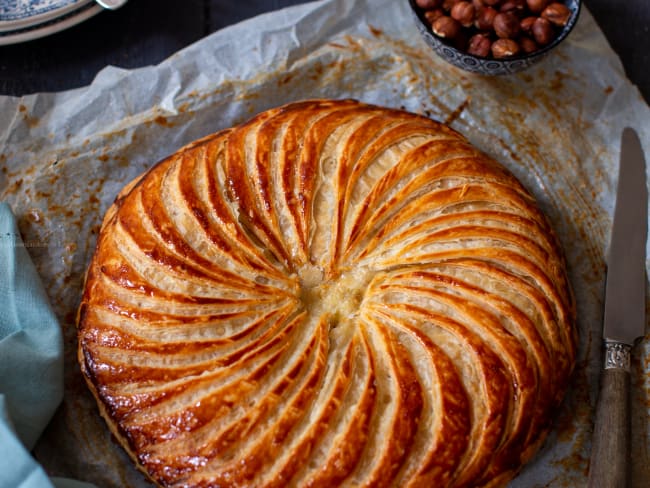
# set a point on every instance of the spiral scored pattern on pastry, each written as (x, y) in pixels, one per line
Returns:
(331, 294)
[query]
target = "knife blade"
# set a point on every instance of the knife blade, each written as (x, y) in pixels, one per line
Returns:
(624, 317)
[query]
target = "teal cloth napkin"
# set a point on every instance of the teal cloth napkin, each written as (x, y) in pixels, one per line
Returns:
(31, 363)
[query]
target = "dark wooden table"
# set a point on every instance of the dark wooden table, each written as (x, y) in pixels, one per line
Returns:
(145, 32)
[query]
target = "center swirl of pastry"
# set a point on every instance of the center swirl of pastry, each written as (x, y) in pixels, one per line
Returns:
(339, 298)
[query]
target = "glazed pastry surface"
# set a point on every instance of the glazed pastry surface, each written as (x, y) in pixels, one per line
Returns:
(331, 294)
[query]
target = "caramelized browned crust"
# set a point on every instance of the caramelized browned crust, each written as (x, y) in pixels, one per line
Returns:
(330, 294)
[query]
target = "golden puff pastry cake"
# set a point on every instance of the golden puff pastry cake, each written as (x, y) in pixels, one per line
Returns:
(331, 294)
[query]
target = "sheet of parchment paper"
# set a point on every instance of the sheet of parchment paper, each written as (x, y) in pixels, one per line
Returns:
(64, 156)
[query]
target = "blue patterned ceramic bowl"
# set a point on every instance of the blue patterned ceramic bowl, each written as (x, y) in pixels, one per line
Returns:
(489, 66)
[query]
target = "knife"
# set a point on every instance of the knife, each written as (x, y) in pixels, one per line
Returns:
(624, 318)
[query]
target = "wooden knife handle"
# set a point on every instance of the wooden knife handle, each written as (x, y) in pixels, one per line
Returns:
(610, 450)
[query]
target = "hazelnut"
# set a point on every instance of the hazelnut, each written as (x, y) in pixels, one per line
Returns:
(485, 18)
(463, 12)
(542, 31)
(491, 3)
(432, 15)
(527, 24)
(478, 4)
(536, 6)
(506, 25)
(479, 45)
(446, 27)
(428, 4)
(557, 13)
(528, 45)
(447, 5)
(504, 48)
(514, 6)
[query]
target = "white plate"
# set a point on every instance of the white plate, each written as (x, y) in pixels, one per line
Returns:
(19, 14)
(85, 9)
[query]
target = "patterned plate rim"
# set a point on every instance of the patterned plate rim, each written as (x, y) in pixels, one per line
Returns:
(14, 20)
(51, 27)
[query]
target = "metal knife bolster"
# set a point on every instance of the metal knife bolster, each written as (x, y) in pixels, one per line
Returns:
(617, 355)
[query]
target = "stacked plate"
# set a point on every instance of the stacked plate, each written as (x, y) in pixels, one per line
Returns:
(23, 20)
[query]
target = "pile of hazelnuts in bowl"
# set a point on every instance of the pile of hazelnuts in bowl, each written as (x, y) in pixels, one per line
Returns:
(501, 31)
